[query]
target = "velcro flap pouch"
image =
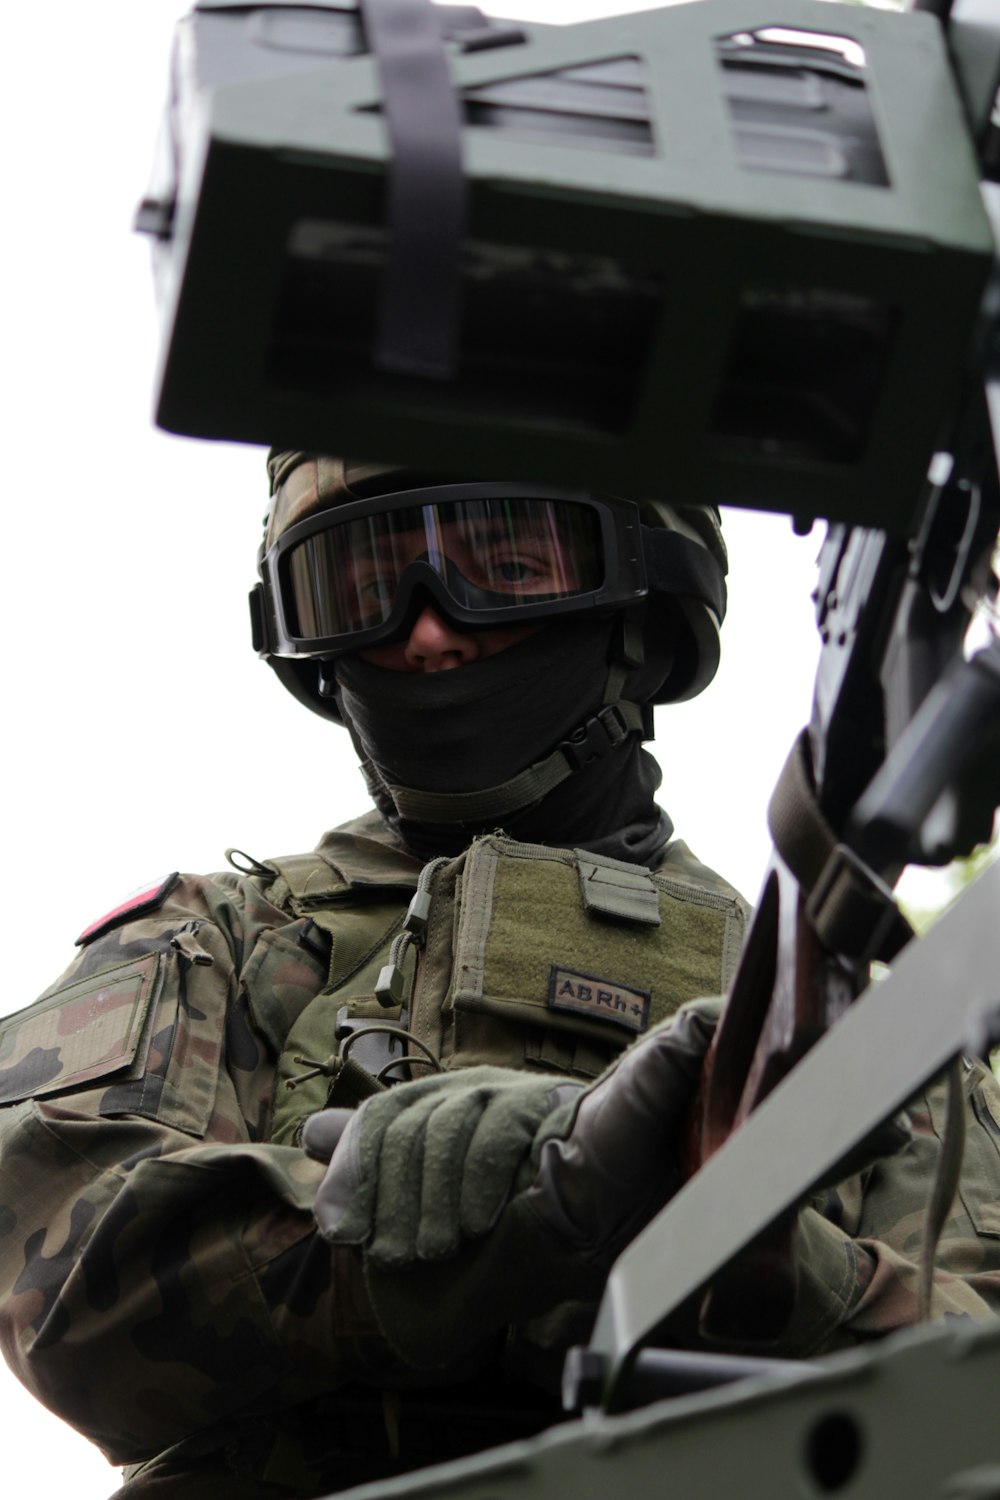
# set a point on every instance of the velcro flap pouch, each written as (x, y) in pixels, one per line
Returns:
(93, 1029)
(562, 958)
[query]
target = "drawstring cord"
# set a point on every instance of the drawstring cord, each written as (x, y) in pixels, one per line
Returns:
(392, 988)
(333, 1064)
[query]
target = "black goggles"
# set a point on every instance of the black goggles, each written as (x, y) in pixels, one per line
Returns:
(486, 554)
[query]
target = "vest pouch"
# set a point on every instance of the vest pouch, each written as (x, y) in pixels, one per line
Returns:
(558, 959)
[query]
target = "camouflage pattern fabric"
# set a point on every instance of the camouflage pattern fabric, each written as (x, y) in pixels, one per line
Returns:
(162, 1285)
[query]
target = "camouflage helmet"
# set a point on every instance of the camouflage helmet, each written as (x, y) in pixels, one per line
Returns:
(685, 567)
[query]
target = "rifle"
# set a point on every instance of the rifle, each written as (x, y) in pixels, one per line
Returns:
(897, 789)
(899, 764)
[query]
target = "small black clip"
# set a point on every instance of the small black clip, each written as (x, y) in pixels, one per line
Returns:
(596, 738)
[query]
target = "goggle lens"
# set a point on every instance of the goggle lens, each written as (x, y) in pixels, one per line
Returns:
(489, 554)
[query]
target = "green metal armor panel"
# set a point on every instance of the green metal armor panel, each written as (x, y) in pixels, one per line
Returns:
(750, 265)
(912, 1417)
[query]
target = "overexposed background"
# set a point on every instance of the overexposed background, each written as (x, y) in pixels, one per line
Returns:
(142, 733)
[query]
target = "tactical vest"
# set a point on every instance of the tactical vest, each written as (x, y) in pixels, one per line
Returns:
(517, 955)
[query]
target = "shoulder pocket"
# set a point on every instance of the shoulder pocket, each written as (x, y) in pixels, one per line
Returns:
(95, 1029)
(138, 1037)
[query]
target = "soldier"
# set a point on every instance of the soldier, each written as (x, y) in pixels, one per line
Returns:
(305, 1177)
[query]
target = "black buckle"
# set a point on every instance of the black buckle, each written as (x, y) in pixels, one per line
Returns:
(854, 911)
(596, 738)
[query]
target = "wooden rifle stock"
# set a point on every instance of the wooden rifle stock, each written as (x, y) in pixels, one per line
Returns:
(782, 1000)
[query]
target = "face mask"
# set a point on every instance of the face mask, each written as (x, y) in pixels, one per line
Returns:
(477, 726)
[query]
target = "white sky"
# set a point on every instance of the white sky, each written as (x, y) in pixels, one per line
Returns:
(143, 735)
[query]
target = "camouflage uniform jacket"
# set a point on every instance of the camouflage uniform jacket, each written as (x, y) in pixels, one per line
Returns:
(161, 1281)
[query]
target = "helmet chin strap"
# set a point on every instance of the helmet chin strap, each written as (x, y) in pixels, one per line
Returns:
(598, 736)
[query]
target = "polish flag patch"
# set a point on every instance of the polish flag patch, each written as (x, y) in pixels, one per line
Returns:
(147, 898)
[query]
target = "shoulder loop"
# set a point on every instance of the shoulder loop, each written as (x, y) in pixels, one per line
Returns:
(366, 856)
(245, 864)
(347, 871)
(612, 888)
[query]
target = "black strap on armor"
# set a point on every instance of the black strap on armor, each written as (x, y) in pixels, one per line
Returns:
(418, 332)
(595, 738)
(853, 911)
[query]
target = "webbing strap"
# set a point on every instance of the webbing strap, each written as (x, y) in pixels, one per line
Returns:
(521, 791)
(852, 910)
(594, 739)
(417, 332)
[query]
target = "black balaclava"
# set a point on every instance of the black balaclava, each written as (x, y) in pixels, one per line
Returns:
(477, 725)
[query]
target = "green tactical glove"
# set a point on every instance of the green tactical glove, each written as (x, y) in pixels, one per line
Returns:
(419, 1170)
(487, 1197)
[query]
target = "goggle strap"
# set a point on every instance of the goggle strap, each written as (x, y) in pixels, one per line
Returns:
(594, 739)
(677, 565)
(629, 648)
(617, 673)
(626, 656)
